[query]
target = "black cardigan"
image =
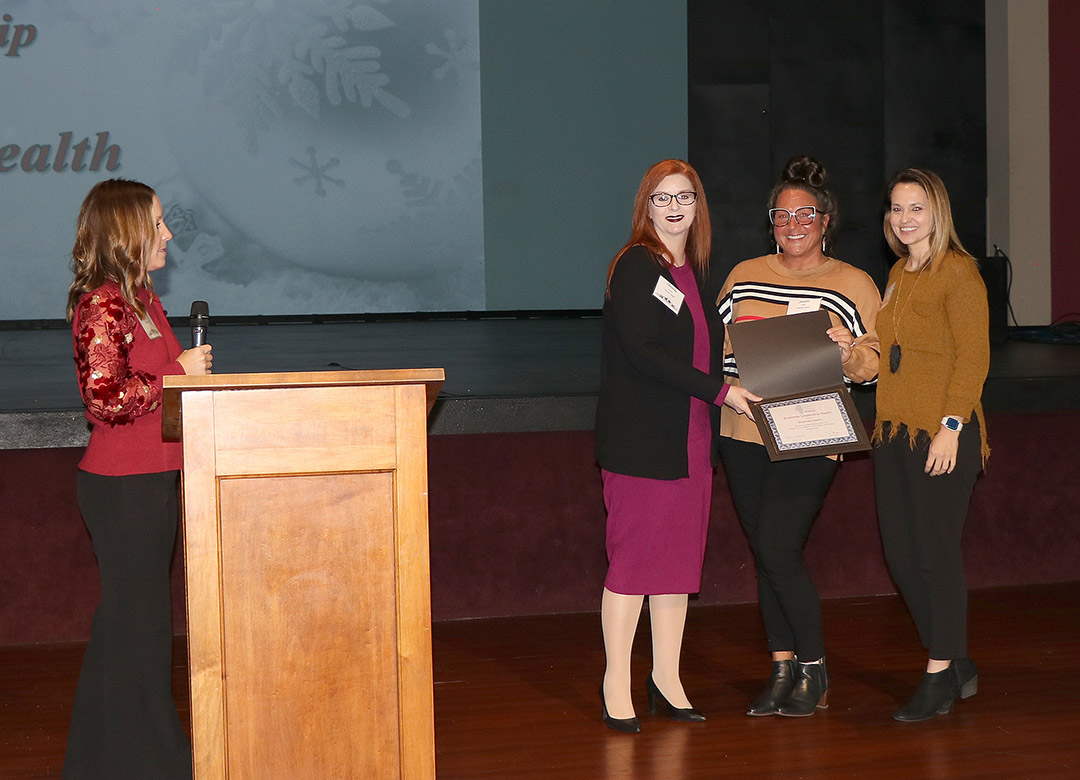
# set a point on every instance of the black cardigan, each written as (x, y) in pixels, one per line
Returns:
(646, 372)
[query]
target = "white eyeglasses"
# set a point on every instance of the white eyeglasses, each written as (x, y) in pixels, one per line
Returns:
(802, 216)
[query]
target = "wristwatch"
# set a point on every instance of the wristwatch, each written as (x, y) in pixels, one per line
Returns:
(952, 423)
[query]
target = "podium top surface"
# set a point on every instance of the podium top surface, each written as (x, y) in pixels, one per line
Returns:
(175, 386)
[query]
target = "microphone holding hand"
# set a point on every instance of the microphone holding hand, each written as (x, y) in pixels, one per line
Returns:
(198, 360)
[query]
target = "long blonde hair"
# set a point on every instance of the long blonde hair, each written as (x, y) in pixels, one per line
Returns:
(114, 236)
(943, 237)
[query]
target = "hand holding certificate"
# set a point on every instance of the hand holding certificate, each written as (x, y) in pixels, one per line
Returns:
(791, 362)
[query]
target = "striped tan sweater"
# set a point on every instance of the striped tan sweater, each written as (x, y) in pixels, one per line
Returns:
(764, 287)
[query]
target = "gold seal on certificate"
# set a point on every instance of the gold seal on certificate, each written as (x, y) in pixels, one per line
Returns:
(795, 367)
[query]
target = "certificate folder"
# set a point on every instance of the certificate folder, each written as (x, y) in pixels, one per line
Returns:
(794, 366)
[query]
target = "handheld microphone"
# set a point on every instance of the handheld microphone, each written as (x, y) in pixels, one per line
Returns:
(200, 321)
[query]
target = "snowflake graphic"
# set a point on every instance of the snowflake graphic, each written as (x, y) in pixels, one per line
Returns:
(458, 57)
(351, 71)
(316, 172)
(267, 56)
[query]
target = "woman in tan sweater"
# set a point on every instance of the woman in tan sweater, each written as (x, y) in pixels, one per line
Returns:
(778, 502)
(930, 433)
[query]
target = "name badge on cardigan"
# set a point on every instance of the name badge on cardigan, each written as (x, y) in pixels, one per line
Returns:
(148, 326)
(668, 294)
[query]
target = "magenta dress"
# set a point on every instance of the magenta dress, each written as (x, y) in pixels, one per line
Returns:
(656, 528)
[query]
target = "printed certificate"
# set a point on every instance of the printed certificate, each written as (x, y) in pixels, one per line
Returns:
(823, 423)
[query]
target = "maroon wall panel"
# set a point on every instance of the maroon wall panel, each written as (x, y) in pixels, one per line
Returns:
(517, 527)
(1064, 162)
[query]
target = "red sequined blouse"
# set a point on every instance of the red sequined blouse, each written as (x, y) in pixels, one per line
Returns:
(120, 362)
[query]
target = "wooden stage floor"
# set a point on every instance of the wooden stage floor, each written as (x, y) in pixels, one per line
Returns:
(516, 699)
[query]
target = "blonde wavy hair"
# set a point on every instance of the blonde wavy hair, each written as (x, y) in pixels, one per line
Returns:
(114, 236)
(943, 236)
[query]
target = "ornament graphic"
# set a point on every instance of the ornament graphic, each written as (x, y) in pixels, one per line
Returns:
(308, 126)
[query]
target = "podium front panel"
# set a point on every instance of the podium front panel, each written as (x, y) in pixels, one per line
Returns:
(306, 545)
(309, 608)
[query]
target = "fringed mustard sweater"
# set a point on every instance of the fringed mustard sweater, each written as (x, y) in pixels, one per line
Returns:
(939, 318)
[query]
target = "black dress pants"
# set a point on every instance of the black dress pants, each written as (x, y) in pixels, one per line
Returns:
(777, 504)
(922, 522)
(124, 724)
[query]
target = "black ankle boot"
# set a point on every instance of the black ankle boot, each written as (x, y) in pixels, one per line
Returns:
(628, 725)
(966, 676)
(934, 696)
(777, 692)
(811, 691)
(687, 714)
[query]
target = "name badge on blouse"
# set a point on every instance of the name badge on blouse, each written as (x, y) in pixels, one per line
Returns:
(668, 294)
(148, 326)
(801, 305)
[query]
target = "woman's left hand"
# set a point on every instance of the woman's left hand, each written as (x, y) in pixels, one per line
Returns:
(844, 339)
(942, 456)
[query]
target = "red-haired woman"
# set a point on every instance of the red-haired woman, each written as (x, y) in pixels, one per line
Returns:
(123, 722)
(656, 416)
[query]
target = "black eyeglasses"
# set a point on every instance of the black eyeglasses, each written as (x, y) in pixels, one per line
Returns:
(661, 199)
(803, 216)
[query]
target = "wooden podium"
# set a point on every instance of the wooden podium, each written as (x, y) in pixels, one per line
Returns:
(306, 556)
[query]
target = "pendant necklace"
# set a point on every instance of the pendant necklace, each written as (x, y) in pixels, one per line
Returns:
(894, 350)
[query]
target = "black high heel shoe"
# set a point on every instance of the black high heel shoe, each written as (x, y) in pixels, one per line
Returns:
(777, 692)
(935, 696)
(811, 691)
(967, 677)
(688, 714)
(627, 725)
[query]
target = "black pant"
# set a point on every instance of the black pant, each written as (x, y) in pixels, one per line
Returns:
(777, 504)
(922, 521)
(124, 723)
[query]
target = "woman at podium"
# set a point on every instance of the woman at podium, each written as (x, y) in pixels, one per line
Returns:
(124, 723)
(657, 413)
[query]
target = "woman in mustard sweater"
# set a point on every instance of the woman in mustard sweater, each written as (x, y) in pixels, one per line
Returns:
(930, 433)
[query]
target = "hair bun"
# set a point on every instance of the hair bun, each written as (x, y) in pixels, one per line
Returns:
(804, 170)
